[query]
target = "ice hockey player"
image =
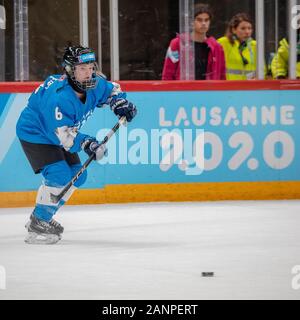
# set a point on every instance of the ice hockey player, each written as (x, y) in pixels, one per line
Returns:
(49, 132)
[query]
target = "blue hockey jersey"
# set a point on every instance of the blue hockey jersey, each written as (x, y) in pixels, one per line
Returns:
(54, 108)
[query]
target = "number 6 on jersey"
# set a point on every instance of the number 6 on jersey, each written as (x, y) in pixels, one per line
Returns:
(58, 114)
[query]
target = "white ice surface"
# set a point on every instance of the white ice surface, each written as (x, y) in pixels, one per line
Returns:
(156, 251)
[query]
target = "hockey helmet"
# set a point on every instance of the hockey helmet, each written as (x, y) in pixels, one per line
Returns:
(75, 55)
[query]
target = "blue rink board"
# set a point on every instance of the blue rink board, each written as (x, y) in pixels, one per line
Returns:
(248, 136)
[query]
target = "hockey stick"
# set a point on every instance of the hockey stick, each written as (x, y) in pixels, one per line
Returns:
(55, 198)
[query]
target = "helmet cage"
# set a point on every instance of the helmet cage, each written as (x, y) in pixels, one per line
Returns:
(86, 84)
(75, 56)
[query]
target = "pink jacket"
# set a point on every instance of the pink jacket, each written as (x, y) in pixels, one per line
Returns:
(216, 69)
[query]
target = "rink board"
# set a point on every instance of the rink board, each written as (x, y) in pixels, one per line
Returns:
(245, 134)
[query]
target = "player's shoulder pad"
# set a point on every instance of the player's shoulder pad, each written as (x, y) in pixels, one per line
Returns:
(56, 81)
(102, 84)
(101, 78)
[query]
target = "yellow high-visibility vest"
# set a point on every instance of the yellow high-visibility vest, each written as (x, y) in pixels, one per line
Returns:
(280, 62)
(236, 69)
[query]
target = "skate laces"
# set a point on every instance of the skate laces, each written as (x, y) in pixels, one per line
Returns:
(43, 223)
(48, 225)
(55, 223)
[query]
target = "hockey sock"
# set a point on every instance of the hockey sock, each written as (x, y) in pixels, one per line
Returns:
(44, 208)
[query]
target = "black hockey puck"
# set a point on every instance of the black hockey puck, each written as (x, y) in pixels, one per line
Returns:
(207, 274)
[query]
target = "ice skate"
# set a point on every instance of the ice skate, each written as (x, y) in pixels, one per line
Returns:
(41, 238)
(41, 232)
(59, 228)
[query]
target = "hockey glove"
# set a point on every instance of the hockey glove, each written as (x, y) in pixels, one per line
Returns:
(122, 107)
(92, 146)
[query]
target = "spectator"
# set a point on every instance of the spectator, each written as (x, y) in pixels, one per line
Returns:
(209, 58)
(280, 62)
(239, 48)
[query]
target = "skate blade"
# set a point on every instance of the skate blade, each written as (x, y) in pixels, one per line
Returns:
(43, 238)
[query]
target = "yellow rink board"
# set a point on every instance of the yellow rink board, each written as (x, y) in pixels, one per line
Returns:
(168, 192)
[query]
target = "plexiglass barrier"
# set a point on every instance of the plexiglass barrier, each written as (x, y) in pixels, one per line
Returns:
(187, 51)
(21, 40)
(2, 42)
(37, 32)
